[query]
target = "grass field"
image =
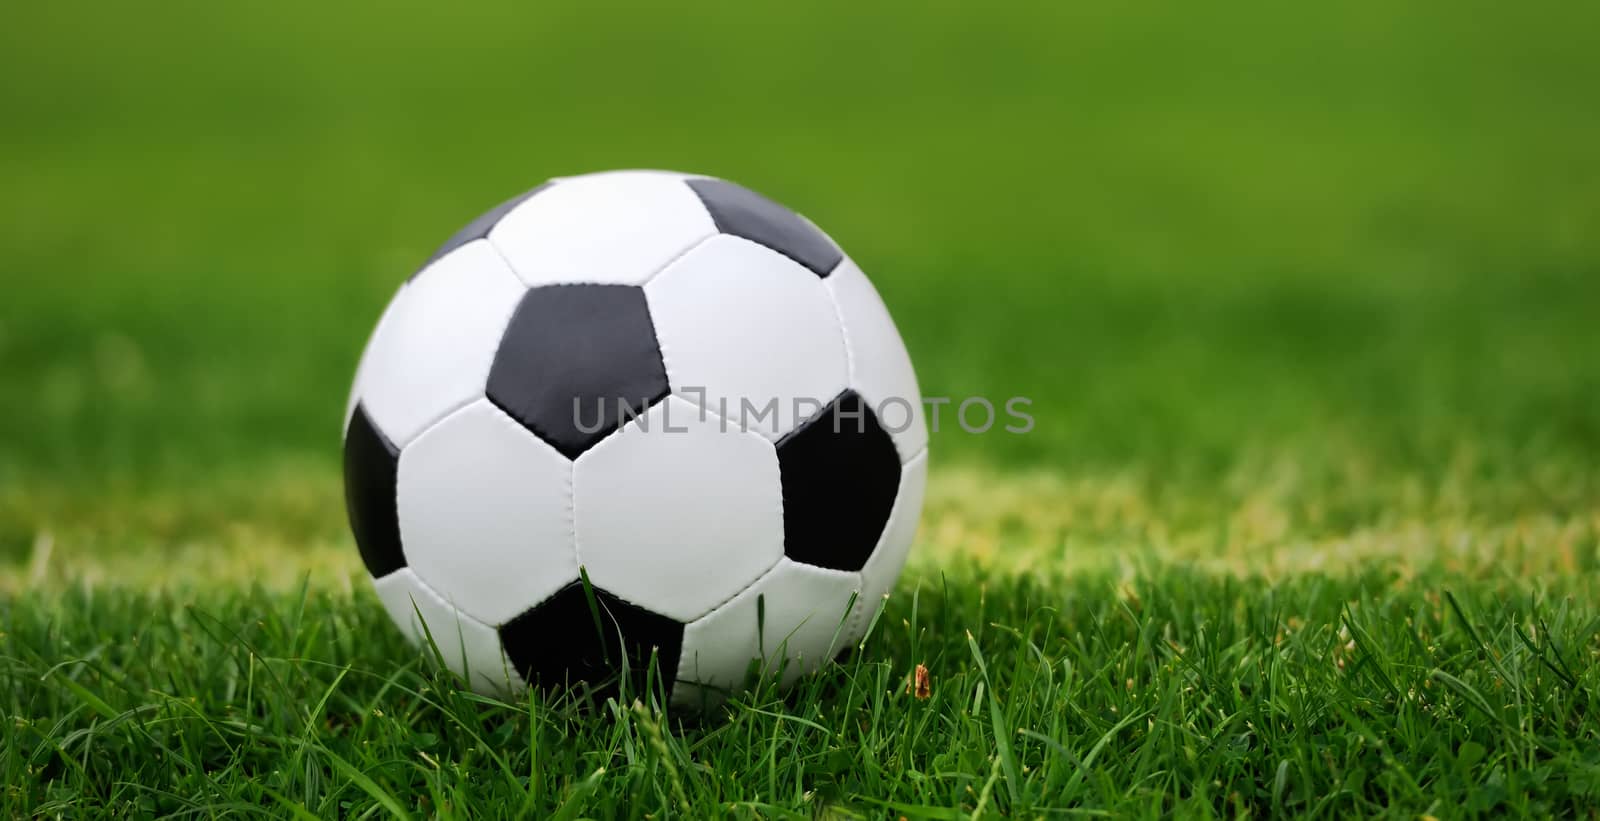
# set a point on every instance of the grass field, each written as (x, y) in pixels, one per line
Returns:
(1305, 298)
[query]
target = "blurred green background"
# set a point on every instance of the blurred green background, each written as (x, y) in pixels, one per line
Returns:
(1361, 240)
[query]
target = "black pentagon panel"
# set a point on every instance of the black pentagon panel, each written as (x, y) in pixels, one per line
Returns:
(840, 474)
(370, 463)
(744, 213)
(568, 639)
(480, 227)
(577, 362)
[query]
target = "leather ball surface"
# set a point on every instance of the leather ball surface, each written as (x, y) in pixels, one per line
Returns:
(665, 383)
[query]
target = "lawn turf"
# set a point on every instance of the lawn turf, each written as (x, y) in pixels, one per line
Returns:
(1165, 690)
(1304, 299)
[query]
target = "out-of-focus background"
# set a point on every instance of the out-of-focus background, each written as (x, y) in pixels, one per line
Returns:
(1294, 269)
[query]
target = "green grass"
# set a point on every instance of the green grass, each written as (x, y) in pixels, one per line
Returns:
(1305, 298)
(1163, 692)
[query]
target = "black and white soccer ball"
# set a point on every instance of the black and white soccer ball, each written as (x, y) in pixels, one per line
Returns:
(664, 383)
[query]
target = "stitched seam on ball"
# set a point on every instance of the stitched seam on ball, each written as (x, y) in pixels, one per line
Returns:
(357, 382)
(570, 488)
(434, 629)
(778, 513)
(850, 360)
(725, 424)
(763, 574)
(661, 354)
(437, 421)
(770, 569)
(899, 499)
(661, 351)
(448, 602)
(398, 525)
(640, 284)
(844, 331)
(861, 614)
(483, 390)
(680, 255)
(507, 260)
(512, 677)
(434, 592)
(859, 618)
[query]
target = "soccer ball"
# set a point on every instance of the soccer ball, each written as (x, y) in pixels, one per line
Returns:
(635, 417)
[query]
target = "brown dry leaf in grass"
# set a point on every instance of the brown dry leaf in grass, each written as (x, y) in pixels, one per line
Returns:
(921, 683)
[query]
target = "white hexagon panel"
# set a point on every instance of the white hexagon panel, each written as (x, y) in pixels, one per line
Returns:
(676, 514)
(485, 515)
(432, 352)
(750, 332)
(613, 229)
